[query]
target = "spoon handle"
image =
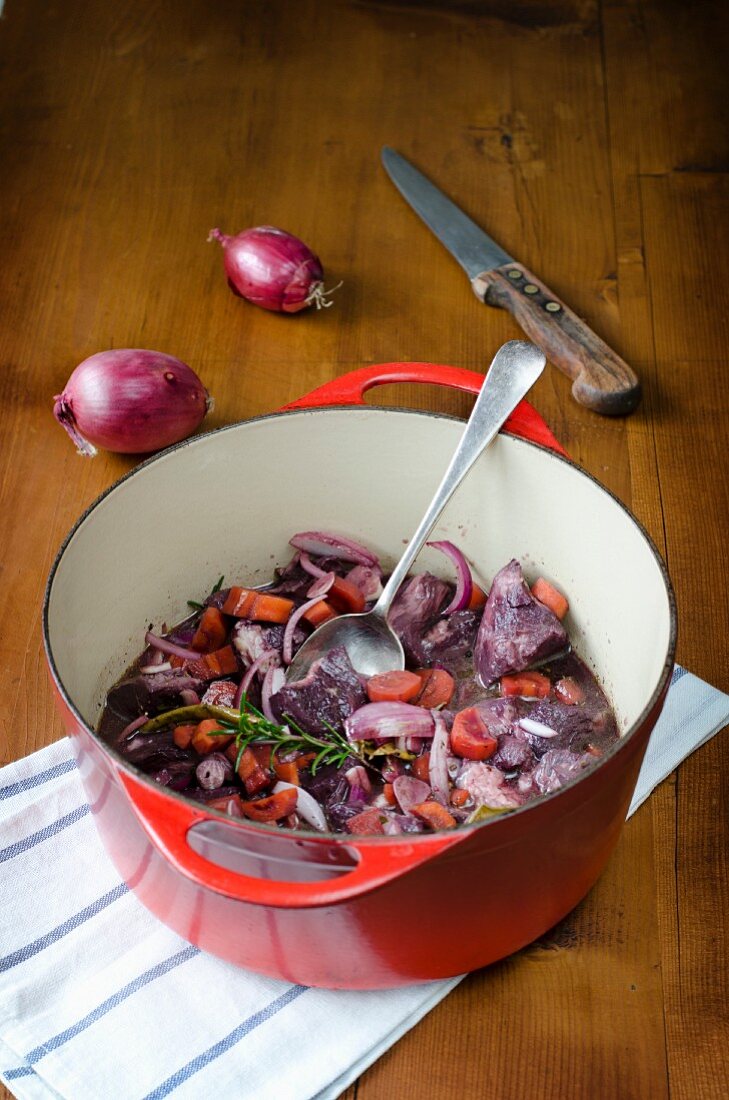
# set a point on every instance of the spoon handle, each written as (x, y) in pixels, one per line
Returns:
(514, 370)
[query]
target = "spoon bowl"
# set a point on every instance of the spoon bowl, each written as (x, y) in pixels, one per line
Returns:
(370, 642)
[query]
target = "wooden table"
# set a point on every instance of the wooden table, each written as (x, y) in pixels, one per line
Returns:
(587, 136)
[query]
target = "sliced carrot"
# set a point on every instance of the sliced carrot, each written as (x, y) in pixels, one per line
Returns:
(182, 735)
(551, 597)
(287, 771)
(530, 685)
(345, 596)
(478, 598)
(389, 793)
(569, 691)
(253, 775)
(367, 823)
(211, 632)
(304, 759)
(421, 767)
(273, 807)
(436, 687)
(470, 737)
(459, 797)
(393, 687)
(435, 815)
(320, 613)
(205, 740)
(247, 603)
(210, 666)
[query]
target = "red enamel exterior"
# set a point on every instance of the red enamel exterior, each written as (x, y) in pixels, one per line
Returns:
(391, 919)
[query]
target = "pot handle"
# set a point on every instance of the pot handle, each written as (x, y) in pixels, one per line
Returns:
(167, 822)
(349, 389)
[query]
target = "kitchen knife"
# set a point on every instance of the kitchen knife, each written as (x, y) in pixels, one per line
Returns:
(601, 379)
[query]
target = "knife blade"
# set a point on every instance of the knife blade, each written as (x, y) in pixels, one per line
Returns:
(601, 380)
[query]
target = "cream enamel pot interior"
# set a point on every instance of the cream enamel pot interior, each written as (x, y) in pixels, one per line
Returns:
(342, 911)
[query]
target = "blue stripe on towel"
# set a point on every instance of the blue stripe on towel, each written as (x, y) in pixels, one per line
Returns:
(31, 781)
(226, 1043)
(138, 983)
(43, 834)
(56, 934)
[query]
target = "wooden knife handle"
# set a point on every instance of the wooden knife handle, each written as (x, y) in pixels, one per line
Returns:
(601, 379)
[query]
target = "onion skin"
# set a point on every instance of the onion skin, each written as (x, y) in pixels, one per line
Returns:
(272, 269)
(131, 401)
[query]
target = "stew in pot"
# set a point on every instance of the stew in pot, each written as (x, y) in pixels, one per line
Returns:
(493, 710)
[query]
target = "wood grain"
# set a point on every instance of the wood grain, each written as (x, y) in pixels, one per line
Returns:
(590, 139)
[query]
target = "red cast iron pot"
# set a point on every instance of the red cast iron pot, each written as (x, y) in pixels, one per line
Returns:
(337, 910)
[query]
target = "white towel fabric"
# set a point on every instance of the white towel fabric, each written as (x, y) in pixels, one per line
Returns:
(97, 998)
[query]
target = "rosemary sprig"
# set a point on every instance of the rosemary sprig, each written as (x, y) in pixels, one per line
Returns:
(250, 727)
(255, 728)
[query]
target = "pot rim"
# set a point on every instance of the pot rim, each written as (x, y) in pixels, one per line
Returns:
(499, 819)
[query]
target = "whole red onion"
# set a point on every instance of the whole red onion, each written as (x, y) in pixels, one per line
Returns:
(273, 269)
(132, 401)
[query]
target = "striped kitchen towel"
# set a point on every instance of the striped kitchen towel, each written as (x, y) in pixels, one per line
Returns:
(97, 998)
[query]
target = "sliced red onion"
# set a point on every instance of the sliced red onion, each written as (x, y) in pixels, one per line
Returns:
(464, 580)
(388, 721)
(358, 777)
(247, 680)
(156, 657)
(273, 681)
(306, 805)
(391, 827)
(321, 586)
(130, 729)
(308, 565)
(161, 666)
(170, 647)
(438, 765)
(189, 697)
(410, 792)
(537, 728)
(288, 638)
(324, 544)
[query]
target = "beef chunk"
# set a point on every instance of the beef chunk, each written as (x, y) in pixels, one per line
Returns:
(516, 630)
(558, 766)
(500, 715)
(220, 693)
(150, 693)
(451, 639)
(329, 693)
(368, 579)
(514, 751)
(252, 640)
(217, 599)
(486, 786)
(415, 607)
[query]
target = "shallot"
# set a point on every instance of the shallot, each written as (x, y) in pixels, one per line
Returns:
(388, 721)
(132, 401)
(273, 269)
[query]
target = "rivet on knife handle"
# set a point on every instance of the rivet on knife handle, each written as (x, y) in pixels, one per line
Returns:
(602, 381)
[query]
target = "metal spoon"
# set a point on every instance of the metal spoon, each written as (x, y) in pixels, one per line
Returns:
(370, 642)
